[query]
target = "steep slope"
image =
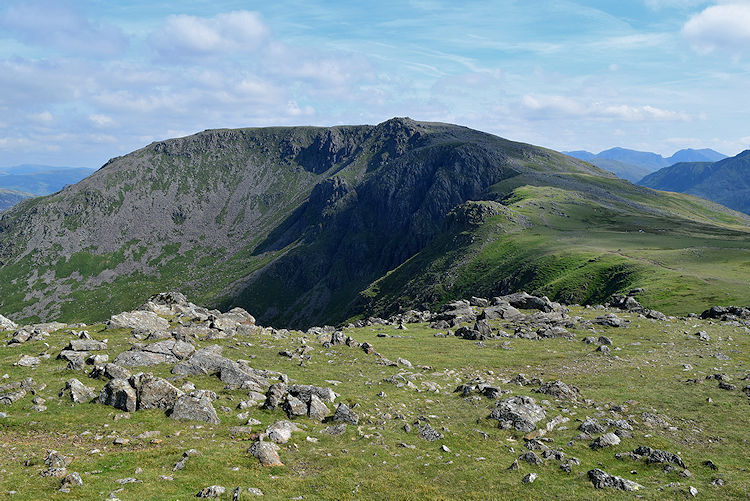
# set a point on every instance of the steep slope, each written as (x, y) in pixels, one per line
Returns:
(725, 182)
(293, 223)
(679, 177)
(9, 198)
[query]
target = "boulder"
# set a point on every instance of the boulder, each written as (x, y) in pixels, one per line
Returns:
(606, 440)
(281, 431)
(345, 414)
(168, 351)
(77, 391)
(154, 392)
(196, 406)
(558, 389)
(207, 360)
(119, 394)
(266, 453)
(520, 412)
(602, 479)
(7, 324)
(316, 408)
(86, 345)
(144, 320)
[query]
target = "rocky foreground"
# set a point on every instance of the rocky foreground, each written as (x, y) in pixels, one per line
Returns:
(514, 396)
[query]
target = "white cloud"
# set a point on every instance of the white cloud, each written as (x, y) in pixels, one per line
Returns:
(44, 118)
(186, 36)
(101, 120)
(555, 107)
(54, 25)
(720, 27)
(680, 4)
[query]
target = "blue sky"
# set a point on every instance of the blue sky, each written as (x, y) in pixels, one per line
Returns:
(82, 81)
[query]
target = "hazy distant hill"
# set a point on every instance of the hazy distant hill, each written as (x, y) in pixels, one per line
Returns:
(9, 198)
(726, 182)
(40, 179)
(633, 165)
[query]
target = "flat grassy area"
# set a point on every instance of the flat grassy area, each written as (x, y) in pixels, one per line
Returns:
(644, 373)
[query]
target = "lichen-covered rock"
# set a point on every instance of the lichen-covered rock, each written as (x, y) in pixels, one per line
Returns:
(168, 351)
(602, 479)
(7, 324)
(144, 320)
(521, 413)
(345, 414)
(154, 392)
(558, 389)
(316, 408)
(77, 391)
(213, 491)
(86, 345)
(196, 406)
(281, 431)
(119, 394)
(266, 453)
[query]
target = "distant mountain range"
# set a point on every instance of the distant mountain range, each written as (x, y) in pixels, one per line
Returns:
(35, 180)
(633, 165)
(726, 182)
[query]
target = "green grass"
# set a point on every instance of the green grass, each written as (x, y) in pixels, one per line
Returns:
(574, 250)
(367, 462)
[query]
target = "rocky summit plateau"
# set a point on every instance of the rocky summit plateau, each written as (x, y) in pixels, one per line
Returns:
(513, 396)
(408, 310)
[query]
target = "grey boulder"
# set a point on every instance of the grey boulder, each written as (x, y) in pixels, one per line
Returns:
(196, 406)
(119, 394)
(77, 391)
(521, 413)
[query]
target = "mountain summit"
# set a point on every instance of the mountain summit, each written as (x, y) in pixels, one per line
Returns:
(633, 165)
(307, 225)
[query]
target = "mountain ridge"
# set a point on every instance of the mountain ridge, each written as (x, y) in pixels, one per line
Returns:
(298, 223)
(723, 182)
(634, 165)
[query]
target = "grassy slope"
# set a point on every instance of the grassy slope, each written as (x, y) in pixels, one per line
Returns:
(686, 254)
(645, 375)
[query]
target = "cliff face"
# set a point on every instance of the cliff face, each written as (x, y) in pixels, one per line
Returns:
(290, 223)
